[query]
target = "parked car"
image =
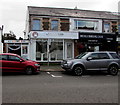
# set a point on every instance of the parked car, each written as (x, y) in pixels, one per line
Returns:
(14, 63)
(108, 61)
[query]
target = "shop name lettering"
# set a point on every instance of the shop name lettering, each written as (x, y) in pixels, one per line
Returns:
(91, 36)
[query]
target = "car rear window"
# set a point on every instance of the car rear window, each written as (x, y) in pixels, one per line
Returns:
(3, 57)
(115, 56)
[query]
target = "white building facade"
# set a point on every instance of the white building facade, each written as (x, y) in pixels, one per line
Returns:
(55, 34)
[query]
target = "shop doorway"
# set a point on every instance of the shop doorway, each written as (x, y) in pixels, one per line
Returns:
(68, 50)
(24, 51)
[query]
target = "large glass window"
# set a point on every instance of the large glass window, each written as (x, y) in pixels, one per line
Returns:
(86, 25)
(41, 50)
(56, 49)
(36, 24)
(49, 49)
(54, 25)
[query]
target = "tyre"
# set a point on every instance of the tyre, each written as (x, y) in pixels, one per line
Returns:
(113, 70)
(29, 70)
(78, 70)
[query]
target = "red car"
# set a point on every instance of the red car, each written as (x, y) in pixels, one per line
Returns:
(14, 63)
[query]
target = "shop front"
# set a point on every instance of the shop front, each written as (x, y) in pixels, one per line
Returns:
(52, 46)
(96, 42)
(19, 47)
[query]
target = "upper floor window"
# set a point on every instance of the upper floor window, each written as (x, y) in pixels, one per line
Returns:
(106, 27)
(54, 25)
(86, 25)
(36, 25)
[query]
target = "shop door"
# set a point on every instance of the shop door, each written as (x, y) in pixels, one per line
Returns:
(68, 50)
(24, 51)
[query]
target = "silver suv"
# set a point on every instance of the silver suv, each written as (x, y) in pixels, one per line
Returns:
(108, 61)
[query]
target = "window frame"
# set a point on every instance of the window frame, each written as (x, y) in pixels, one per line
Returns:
(94, 28)
(54, 24)
(40, 25)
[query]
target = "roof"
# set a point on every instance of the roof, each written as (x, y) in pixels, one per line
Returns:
(64, 12)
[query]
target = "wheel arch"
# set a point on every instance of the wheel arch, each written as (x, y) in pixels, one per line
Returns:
(113, 64)
(81, 65)
(29, 66)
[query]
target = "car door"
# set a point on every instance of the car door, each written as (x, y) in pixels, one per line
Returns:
(93, 63)
(104, 61)
(14, 63)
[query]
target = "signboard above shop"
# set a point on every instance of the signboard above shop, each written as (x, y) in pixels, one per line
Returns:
(16, 41)
(54, 35)
(97, 36)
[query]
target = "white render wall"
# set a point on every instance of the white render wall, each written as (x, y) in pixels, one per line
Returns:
(32, 50)
(72, 25)
(1, 44)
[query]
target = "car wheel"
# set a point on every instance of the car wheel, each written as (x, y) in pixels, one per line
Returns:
(113, 70)
(29, 70)
(78, 70)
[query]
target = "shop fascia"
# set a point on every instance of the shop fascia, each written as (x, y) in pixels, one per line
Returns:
(53, 35)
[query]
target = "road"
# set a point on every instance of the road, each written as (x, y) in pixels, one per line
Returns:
(59, 87)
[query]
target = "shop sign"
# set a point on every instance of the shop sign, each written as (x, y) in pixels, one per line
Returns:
(16, 41)
(35, 34)
(91, 36)
(54, 35)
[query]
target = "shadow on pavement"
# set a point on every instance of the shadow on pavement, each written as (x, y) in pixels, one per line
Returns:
(91, 73)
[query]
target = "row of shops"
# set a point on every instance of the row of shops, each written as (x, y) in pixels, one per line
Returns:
(56, 46)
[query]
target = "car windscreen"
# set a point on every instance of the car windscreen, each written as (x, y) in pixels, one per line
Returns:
(81, 55)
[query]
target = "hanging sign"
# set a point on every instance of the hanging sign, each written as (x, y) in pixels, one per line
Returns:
(35, 34)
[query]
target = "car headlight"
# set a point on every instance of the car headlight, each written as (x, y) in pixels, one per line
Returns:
(69, 62)
(37, 64)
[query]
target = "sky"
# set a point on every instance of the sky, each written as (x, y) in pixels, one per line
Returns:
(13, 12)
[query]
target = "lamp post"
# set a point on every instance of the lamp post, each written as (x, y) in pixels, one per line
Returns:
(1, 44)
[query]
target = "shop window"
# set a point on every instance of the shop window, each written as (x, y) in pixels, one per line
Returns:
(46, 23)
(106, 27)
(41, 50)
(54, 25)
(86, 25)
(36, 25)
(56, 49)
(64, 23)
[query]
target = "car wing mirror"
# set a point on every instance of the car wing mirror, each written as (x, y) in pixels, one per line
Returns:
(89, 58)
(21, 61)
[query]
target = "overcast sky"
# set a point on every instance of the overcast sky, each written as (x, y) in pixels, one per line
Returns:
(13, 12)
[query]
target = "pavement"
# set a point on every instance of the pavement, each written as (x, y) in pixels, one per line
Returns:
(51, 68)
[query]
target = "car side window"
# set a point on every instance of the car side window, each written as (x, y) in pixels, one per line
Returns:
(94, 56)
(104, 56)
(3, 57)
(115, 56)
(13, 58)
